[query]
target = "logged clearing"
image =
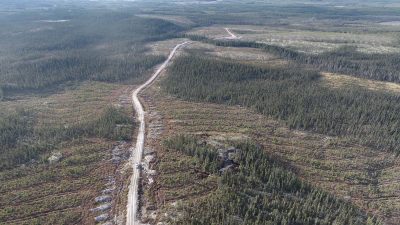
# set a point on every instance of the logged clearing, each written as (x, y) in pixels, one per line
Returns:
(391, 23)
(311, 41)
(163, 47)
(345, 81)
(247, 55)
(75, 180)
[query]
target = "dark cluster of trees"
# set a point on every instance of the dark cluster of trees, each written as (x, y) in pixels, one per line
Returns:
(290, 94)
(207, 157)
(262, 13)
(21, 140)
(260, 191)
(113, 124)
(13, 128)
(347, 60)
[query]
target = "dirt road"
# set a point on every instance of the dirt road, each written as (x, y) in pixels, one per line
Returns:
(232, 35)
(132, 207)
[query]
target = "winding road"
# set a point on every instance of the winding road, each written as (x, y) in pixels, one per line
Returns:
(132, 206)
(137, 153)
(232, 35)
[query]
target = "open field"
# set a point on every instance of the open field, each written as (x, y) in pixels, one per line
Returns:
(345, 81)
(163, 47)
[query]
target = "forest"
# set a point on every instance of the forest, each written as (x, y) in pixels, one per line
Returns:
(291, 94)
(345, 60)
(76, 67)
(259, 190)
(99, 46)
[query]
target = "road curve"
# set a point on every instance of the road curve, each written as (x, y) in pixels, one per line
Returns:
(132, 206)
(232, 35)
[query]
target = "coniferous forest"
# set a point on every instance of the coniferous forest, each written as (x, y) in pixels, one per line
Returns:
(294, 95)
(259, 191)
(49, 58)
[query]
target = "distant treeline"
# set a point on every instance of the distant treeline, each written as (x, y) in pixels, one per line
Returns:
(294, 95)
(21, 141)
(76, 67)
(289, 15)
(259, 191)
(98, 46)
(347, 60)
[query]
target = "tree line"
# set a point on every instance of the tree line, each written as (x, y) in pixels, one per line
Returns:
(346, 59)
(76, 67)
(291, 94)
